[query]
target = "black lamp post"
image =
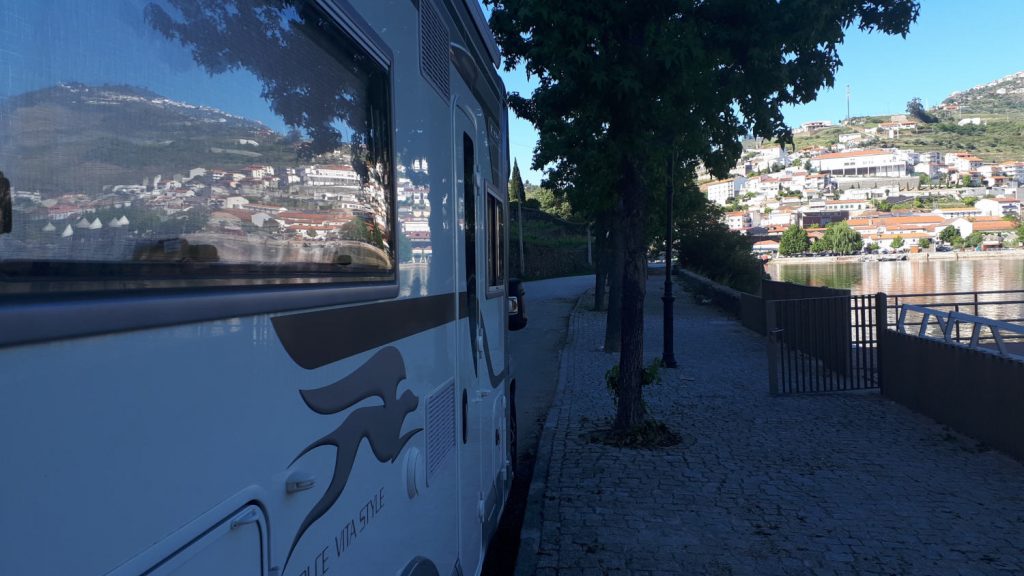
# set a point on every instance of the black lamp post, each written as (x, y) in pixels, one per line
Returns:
(668, 356)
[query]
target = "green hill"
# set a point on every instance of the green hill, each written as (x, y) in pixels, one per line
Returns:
(78, 138)
(1000, 137)
(1005, 95)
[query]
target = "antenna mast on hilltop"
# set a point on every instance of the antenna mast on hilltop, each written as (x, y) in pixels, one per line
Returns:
(847, 103)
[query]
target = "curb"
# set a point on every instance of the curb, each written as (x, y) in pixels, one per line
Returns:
(530, 533)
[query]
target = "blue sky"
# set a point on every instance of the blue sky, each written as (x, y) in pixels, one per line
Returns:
(954, 45)
(110, 42)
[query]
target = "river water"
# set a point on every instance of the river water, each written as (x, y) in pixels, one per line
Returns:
(910, 277)
(920, 277)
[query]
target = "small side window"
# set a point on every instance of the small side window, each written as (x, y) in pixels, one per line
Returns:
(495, 242)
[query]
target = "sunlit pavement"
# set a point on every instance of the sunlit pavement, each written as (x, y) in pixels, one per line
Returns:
(846, 484)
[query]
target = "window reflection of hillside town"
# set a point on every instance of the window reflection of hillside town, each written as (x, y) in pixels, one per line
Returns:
(141, 164)
(414, 213)
(254, 213)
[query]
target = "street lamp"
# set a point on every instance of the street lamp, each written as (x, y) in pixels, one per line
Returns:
(668, 357)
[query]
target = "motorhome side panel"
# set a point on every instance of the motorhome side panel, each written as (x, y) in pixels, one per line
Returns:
(326, 439)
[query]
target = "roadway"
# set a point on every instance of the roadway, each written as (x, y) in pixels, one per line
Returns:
(535, 352)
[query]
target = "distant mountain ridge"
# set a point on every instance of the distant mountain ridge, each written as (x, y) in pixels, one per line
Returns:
(73, 137)
(999, 96)
(76, 93)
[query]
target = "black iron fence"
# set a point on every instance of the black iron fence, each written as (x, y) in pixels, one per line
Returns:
(824, 344)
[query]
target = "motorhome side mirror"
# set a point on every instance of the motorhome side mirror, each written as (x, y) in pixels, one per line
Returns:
(516, 305)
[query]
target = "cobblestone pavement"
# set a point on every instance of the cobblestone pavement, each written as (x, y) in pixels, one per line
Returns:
(825, 484)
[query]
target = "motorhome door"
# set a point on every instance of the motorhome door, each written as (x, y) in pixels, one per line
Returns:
(471, 383)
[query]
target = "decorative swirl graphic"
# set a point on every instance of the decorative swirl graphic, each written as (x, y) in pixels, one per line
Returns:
(380, 425)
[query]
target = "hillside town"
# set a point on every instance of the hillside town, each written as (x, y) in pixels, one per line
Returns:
(897, 199)
(291, 208)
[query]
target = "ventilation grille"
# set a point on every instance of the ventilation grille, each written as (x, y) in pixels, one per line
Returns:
(434, 42)
(440, 427)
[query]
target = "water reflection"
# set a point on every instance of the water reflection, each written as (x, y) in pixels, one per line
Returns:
(927, 277)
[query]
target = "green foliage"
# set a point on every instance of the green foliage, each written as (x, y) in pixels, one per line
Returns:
(949, 235)
(819, 246)
(974, 239)
(548, 201)
(970, 201)
(649, 375)
(873, 247)
(516, 192)
(897, 243)
(882, 205)
(1016, 239)
(705, 245)
(998, 141)
(965, 130)
(629, 93)
(924, 179)
(794, 241)
(925, 243)
(842, 239)
(916, 109)
(966, 181)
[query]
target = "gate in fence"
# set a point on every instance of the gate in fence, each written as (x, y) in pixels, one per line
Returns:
(824, 344)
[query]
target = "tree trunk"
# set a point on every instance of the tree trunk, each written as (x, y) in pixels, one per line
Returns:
(613, 326)
(630, 406)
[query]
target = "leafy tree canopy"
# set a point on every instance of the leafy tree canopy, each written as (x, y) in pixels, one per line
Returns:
(916, 109)
(794, 241)
(840, 238)
(630, 91)
(897, 242)
(974, 239)
(707, 246)
(949, 234)
(643, 79)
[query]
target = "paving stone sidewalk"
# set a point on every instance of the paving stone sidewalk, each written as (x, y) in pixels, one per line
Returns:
(825, 484)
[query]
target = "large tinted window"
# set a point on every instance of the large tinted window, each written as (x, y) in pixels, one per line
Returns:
(151, 142)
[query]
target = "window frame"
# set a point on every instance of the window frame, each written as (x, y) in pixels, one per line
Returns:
(84, 306)
(497, 288)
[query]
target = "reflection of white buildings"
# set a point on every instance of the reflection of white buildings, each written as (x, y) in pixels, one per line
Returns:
(330, 175)
(414, 215)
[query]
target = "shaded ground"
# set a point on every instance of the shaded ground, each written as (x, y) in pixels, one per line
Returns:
(535, 352)
(825, 484)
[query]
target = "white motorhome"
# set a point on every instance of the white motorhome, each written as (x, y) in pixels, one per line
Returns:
(193, 393)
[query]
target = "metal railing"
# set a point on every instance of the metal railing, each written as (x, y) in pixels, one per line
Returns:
(949, 322)
(1005, 306)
